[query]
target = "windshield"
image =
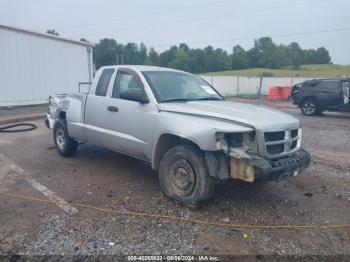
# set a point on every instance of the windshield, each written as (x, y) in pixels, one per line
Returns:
(177, 86)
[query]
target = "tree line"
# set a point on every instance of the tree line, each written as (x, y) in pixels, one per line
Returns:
(264, 54)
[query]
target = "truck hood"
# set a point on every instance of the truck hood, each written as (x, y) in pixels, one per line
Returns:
(258, 117)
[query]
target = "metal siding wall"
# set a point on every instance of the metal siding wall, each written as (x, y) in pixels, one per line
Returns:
(32, 68)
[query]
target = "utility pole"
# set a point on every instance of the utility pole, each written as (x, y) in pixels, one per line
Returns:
(117, 59)
(122, 59)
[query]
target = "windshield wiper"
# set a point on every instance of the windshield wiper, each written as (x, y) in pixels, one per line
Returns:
(176, 100)
(207, 98)
(192, 99)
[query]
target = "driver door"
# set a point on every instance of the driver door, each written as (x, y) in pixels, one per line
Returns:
(130, 124)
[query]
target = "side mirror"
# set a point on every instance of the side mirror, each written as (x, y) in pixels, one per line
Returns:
(137, 95)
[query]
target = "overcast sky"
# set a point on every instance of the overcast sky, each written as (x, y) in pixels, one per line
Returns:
(161, 23)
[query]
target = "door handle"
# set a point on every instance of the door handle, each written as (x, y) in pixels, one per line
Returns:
(113, 109)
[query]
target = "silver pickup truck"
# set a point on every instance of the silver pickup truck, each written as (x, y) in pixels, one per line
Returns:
(182, 126)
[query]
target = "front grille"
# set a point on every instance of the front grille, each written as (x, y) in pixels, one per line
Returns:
(275, 149)
(294, 133)
(281, 142)
(274, 136)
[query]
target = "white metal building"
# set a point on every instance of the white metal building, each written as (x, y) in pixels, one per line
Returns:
(34, 65)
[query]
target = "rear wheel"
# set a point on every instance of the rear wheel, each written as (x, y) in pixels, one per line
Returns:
(65, 145)
(309, 107)
(184, 176)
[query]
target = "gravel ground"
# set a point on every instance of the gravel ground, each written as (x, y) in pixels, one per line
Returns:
(99, 177)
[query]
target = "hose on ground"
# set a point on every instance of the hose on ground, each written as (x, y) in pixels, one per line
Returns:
(174, 218)
(23, 127)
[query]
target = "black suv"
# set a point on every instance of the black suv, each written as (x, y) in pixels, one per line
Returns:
(315, 96)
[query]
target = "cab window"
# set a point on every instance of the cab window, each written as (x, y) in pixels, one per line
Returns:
(102, 85)
(123, 82)
(328, 85)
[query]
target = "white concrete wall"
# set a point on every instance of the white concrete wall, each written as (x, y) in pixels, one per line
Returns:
(33, 67)
(234, 86)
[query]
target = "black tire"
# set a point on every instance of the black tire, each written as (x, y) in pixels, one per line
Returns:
(184, 176)
(65, 145)
(310, 107)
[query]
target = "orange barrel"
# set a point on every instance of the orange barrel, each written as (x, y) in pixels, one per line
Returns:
(273, 93)
(279, 93)
(286, 92)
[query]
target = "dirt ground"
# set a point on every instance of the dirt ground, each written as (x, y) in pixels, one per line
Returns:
(29, 165)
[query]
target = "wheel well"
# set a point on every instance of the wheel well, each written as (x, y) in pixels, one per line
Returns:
(165, 142)
(308, 97)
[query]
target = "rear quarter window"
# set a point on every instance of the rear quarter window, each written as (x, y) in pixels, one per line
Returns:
(328, 85)
(103, 82)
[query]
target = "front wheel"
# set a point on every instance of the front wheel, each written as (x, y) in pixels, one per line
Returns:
(65, 145)
(309, 107)
(184, 176)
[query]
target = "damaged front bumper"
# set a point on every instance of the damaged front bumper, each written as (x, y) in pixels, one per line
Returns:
(239, 165)
(281, 168)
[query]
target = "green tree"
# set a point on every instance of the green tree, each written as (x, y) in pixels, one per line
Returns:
(105, 52)
(209, 64)
(265, 49)
(130, 54)
(265, 53)
(222, 59)
(182, 60)
(142, 54)
(279, 57)
(184, 47)
(198, 60)
(52, 32)
(239, 59)
(320, 56)
(216, 60)
(295, 54)
(152, 58)
(167, 56)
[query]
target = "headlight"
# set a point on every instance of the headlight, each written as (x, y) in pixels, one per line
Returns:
(246, 140)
